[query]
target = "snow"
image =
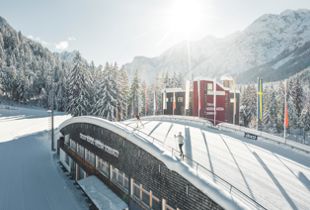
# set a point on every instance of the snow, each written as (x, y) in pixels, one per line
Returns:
(275, 176)
(213, 191)
(101, 195)
(16, 122)
(30, 177)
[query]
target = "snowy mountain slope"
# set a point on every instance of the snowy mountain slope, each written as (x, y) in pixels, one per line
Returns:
(283, 66)
(267, 38)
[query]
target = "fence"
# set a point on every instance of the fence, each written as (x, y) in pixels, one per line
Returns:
(148, 198)
(277, 139)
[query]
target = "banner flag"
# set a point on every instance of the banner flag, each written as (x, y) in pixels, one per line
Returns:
(199, 105)
(285, 108)
(286, 116)
(260, 99)
(214, 101)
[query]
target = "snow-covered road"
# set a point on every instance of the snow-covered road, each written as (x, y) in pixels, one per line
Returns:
(275, 176)
(30, 178)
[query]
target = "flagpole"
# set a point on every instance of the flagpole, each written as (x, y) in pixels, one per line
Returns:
(234, 114)
(173, 103)
(285, 110)
(198, 87)
(214, 101)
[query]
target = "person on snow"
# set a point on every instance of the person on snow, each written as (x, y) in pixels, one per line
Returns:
(139, 121)
(180, 139)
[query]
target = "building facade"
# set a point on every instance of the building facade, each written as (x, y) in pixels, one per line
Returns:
(214, 101)
(173, 101)
(97, 147)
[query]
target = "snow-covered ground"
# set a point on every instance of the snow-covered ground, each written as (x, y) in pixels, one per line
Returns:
(16, 122)
(30, 177)
(275, 176)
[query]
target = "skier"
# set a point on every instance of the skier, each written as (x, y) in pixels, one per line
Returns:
(139, 121)
(180, 142)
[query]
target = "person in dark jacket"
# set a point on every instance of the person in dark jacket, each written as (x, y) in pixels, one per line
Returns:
(139, 121)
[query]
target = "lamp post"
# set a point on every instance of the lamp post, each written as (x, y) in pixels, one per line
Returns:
(52, 128)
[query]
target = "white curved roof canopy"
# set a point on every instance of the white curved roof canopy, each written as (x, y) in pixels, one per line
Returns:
(218, 195)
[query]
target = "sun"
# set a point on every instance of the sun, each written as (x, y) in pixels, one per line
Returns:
(184, 18)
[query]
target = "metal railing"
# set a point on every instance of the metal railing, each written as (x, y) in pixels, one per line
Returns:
(149, 199)
(267, 136)
(200, 168)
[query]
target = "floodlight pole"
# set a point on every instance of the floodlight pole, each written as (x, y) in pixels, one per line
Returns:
(52, 145)
(52, 128)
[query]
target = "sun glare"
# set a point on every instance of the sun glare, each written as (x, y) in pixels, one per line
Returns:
(185, 18)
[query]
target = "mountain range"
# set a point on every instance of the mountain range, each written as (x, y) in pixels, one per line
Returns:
(273, 47)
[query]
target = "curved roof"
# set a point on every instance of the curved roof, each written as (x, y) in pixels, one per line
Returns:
(217, 194)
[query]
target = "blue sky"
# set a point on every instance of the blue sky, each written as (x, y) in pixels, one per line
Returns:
(118, 30)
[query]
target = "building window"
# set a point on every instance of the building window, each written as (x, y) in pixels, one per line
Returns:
(90, 157)
(67, 139)
(82, 173)
(180, 99)
(72, 145)
(103, 167)
(80, 151)
(210, 86)
(120, 178)
(67, 159)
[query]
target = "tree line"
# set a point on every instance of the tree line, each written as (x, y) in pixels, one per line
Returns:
(298, 101)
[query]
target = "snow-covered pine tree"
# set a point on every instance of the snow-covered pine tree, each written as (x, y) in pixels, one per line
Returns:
(143, 95)
(305, 114)
(106, 106)
(134, 95)
(270, 109)
(123, 93)
(180, 80)
(79, 82)
(121, 99)
(280, 98)
(248, 105)
(295, 101)
(165, 80)
(96, 86)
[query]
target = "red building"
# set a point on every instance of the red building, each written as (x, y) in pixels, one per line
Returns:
(216, 106)
(202, 97)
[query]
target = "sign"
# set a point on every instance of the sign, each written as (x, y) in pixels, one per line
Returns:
(250, 136)
(217, 109)
(100, 145)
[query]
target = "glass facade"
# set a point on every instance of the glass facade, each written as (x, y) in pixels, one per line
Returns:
(120, 178)
(103, 167)
(90, 157)
(67, 139)
(117, 177)
(81, 151)
(73, 145)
